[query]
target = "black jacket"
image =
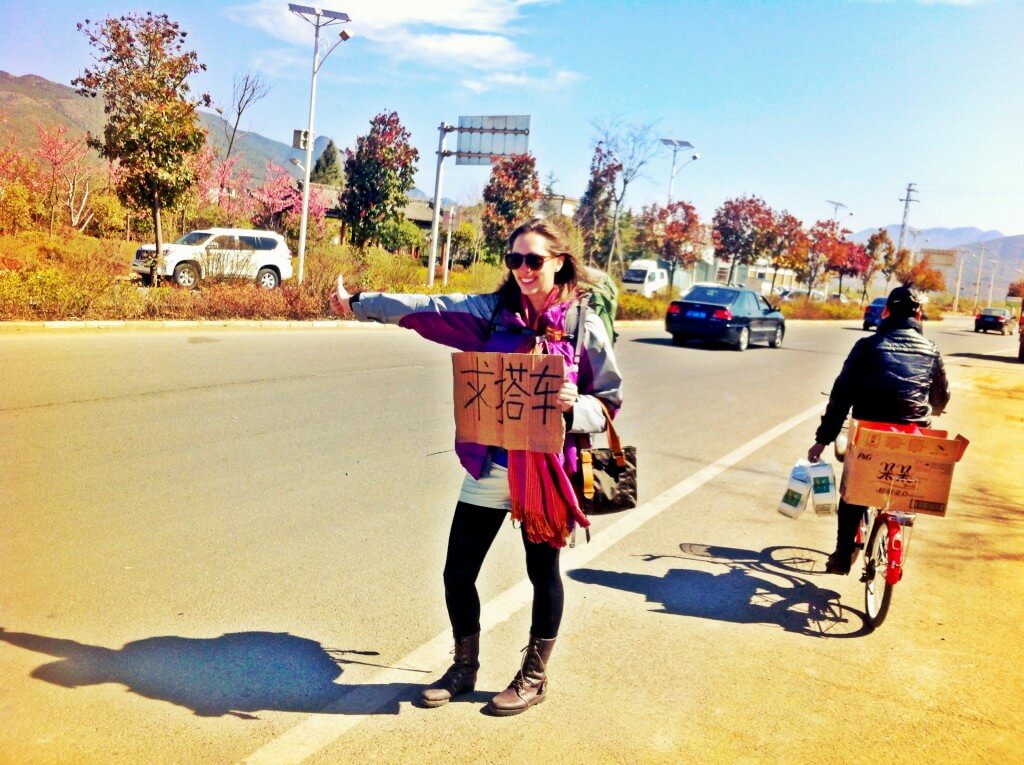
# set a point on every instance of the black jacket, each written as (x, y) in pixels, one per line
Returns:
(896, 375)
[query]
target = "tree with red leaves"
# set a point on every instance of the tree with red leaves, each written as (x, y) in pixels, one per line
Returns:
(62, 157)
(784, 243)
(379, 174)
(739, 231)
(922, 276)
(509, 196)
(278, 203)
(1016, 289)
(152, 123)
(593, 214)
(670, 233)
(824, 243)
(629, 149)
(878, 248)
(846, 259)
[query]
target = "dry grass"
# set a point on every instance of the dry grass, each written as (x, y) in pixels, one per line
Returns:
(78, 277)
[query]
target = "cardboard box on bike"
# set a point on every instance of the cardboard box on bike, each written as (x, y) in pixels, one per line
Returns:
(900, 471)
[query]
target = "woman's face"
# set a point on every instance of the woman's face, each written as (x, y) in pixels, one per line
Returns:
(536, 285)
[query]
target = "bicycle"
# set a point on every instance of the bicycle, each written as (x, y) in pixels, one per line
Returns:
(888, 538)
(885, 555)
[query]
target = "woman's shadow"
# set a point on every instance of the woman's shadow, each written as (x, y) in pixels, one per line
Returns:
(235, 674)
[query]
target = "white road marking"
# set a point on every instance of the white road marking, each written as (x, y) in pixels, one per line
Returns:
(323, 728)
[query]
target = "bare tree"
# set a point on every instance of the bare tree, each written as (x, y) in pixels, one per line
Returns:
(249, 88)
(630, 147)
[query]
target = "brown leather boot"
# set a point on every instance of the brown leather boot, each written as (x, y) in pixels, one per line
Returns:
(461, 675)
(530, 685)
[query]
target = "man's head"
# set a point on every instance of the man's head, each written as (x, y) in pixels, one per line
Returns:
(904, 302)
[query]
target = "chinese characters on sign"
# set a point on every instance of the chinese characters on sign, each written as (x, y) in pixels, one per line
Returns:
(509, 400)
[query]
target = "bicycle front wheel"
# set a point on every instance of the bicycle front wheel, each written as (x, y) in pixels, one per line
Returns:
(877, 591)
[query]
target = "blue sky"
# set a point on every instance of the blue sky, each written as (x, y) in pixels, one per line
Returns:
(796, 102)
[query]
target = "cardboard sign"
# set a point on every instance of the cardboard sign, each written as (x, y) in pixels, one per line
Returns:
(509, 400)
(900, 471)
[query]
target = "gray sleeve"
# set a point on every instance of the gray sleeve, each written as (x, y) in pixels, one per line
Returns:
(392, 307)
(587, 414)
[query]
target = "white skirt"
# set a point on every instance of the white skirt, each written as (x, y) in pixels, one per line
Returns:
(490, 491)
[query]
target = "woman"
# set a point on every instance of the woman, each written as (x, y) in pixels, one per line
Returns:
(528, 313)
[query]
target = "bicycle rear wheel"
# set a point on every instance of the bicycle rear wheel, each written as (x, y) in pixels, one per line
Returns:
(877, 591)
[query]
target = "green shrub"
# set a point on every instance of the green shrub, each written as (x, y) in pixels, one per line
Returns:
(805, 309)
(637, 307)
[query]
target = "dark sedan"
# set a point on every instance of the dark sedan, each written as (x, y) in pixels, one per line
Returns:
(996, 319)
(873, 313)
(727, 314)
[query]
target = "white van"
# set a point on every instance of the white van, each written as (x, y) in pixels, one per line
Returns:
(644, 277)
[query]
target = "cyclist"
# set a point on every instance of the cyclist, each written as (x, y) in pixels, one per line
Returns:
(895, 375)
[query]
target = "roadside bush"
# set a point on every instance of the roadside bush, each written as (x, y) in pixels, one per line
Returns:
(805, 309)
(637, 307)
(478, 278)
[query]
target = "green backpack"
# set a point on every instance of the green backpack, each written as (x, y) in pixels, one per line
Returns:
(604, 301)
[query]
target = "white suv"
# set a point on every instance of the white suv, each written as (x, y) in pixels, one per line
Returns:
(235, 252)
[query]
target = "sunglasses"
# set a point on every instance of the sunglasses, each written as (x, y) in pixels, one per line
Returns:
(534, 262)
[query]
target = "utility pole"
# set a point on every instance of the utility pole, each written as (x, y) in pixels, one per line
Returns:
(992, 282)
(977, 281)
(959, 275)
(911, 190)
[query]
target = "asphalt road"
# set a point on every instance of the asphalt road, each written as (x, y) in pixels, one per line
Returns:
(222, 545)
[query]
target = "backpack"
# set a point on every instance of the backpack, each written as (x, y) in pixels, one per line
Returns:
(604, 301)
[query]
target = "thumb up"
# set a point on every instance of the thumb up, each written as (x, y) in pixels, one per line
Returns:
(340, 298)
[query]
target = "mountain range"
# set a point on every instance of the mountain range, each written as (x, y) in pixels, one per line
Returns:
(1000, 258)
(29, 100)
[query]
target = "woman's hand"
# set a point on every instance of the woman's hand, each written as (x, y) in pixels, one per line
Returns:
(340, 299)
(567, 395)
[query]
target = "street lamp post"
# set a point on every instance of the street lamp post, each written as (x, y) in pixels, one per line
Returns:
(319, 18)
(835, 210)
(676, 146)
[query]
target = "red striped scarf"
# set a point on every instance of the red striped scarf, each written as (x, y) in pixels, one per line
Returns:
(543, 499)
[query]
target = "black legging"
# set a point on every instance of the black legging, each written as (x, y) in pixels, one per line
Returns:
(473, 530)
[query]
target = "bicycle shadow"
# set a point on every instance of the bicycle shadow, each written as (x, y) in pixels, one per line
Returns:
(766, 587)
(237, 674)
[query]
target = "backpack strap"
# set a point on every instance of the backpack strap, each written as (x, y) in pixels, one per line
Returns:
(580, 329)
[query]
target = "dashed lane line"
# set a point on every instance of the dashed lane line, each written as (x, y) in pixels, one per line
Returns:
(323, 728)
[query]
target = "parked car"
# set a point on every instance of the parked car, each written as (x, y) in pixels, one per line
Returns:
(839, 297)
(231, 252)
(815, 295)
(733, 315)
(995, 319)
(873, 313)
